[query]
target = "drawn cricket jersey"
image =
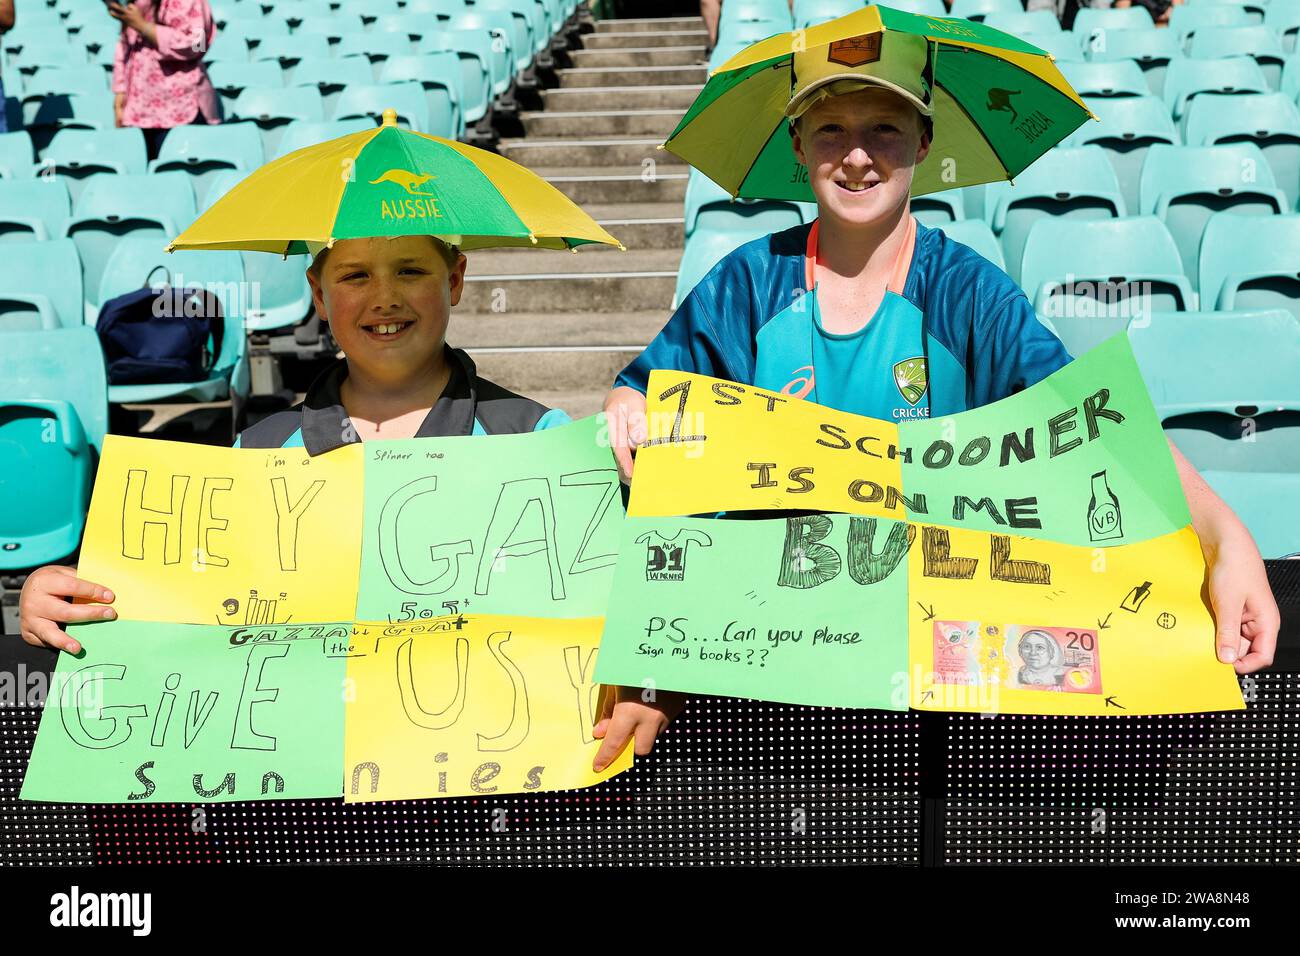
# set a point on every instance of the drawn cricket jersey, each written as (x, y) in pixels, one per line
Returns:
(469, 405)
(953, 331)
(666, 557)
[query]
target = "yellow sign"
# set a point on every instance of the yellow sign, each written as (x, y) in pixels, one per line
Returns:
(1013, 625)
(221, 536)
(713, 444)
(472, 705)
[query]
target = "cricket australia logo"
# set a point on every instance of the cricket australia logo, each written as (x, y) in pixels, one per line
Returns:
(911, 380)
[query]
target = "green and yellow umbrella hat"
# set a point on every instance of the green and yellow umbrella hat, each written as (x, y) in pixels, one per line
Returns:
(389, 181)
(997, 102)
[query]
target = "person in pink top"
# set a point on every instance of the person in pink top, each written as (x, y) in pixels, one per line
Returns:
(158, 76)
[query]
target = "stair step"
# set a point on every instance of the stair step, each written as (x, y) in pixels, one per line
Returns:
(618, 183)
(646, 25)
(642, 40)
(568, 153)
(550, 330)
(611, 123)
(570, 292)
(581, 76)
(590, 259)
(605, 98)
(640, 56)
(584, 377)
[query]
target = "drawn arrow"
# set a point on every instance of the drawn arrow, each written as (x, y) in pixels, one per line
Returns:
(1103, 625)
(1110, 702)
(929, 613)
(926, 696)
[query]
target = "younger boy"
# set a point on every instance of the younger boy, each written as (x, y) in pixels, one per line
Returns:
(387, 302)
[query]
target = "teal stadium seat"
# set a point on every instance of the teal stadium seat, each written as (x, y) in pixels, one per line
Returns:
(333, 27)
(501, 54)
(36, 53)
(1104, 267)
(17, 157)
(740, 35)
(1284, 19)
(1186, 20)
(371, 101)
(722, 227)
(1064, 46)
(937, 209)
(1074, 183)
(1230, 76)
(1255, 8)
(231, 77)
(301, 134)
(233, 40)
(807, 13)
(976, 234)
(11, 103)
(473, 50)
(1106, 78)
(1241, 415)
(76, 155)
(1184, 186)
(1128, 127)
(1250, 262)
(374, 46)
(41, 278)
(330, 76)
(113, 208)
(133, 261)
(370, 10)
(70, 111)
(980, 10)
(927, 8)
(33, 209)
(439, 76)
(287, 51)
(1258, 42)
(61, 81)
(273, 109)
(532, 15)
(1152, 50)
(278, 292)
(1091, 19)
(99, 40)
(411, 25)
(442, 9)
(1290, 84)
(1270, 121)
(1020, 22)
(1268, 504)
(52, 385)
(201, 151)
(294, 14)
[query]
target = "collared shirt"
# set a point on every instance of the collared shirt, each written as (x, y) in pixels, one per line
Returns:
(469, 405)
(167, 85)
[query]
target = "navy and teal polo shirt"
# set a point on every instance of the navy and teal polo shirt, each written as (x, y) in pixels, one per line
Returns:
(469, 405)
(958, 333)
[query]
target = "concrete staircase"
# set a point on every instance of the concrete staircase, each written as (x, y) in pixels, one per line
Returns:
(558, 326)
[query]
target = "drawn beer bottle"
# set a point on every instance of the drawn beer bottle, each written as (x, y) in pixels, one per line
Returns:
(1103, 511)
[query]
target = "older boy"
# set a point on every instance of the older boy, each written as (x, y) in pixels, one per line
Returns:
(833, 311)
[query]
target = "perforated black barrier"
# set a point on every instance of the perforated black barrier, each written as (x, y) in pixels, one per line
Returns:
(741, 782)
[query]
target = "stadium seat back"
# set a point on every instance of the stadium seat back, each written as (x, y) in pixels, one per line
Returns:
(1125, 266)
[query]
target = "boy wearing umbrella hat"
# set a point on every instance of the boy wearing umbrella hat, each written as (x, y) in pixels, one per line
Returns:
(869, 311)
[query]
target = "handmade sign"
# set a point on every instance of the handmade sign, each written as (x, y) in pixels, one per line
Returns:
(986, 609)
(274, 607)
(1080, 458)
(762, 609)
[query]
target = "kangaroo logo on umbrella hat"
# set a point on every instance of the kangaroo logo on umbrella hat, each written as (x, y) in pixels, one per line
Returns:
(406, 179)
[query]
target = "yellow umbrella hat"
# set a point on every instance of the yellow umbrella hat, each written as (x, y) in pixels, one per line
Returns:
(389, 181)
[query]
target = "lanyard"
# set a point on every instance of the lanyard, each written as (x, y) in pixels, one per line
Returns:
(897, 276)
